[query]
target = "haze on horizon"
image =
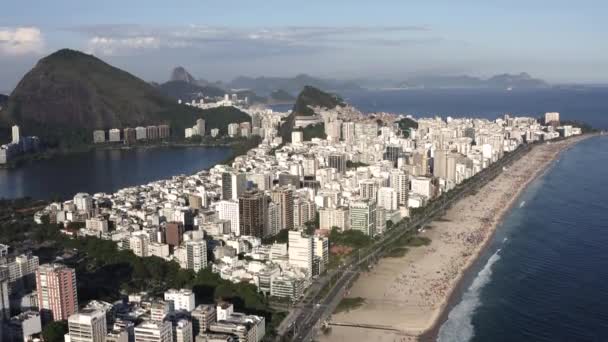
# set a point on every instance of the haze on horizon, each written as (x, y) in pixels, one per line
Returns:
(559, 41)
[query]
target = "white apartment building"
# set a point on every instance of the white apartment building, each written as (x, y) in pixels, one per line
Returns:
(154, 331)
(300, 250)
(229, 210)
(88, 325)
(297, 137)
(387, 199)
(363, 217)
(400, 182)
(16, 134)
(233, 130)
(321, 253)
(140, 133)
(97, 224)
(139, 243)
(83, 202)
(334, 217)
(551, 118)
(422, 186)
(114, 135)
(183, 331)
(182, 299)
(196, 255)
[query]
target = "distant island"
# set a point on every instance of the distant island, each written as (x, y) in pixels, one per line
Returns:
(502, 81)
(267, 85)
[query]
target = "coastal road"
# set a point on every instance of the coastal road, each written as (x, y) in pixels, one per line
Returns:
(301, 323)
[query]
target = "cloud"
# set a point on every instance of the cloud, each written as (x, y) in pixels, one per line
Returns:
(214, 40)
(18, 41)
(120, 46)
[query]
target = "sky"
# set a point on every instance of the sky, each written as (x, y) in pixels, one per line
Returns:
(557, 40)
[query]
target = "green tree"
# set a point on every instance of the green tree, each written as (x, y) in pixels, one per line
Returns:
(55, 331)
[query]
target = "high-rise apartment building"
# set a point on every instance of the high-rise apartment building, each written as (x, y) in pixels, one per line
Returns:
(88, 325)
(399, 181)
(303, 211)
(196, 255)
(300, 249)
(283, 196)
(174, 233)
(200, 127)
(56, 287)
(321, 254)
(334, 217)
(139, 243)
(387, 199)
(182, 299)
(273, 222)
(83, 201)
(16, 134)
(440, 163)
(337, 161)
(252, 213)
(550, 118)
(368, 189)
(182, 331)
(202, 317)
(5, 307)
(229, 210)
(154, 331)
(233, 185)
(348, 131)
(363, 217)
(310, 164)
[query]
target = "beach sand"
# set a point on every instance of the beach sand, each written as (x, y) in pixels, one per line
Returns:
(411, 293)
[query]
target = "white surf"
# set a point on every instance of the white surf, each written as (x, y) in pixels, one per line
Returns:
(459, 325)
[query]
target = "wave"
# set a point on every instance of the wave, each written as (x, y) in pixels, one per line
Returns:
(459, 325)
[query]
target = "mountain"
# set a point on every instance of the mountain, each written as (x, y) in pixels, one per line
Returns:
(3, 101)
(503, 81)
(180, 74)
(68, 94)
(309, 97)
(314, 97)
(266, 85)
(220, 117)
(182, 90)
(522, 80)
(281, 96)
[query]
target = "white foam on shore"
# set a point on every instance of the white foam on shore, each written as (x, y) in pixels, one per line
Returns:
(459, 325)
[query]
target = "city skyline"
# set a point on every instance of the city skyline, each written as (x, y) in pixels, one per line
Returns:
(555, 41)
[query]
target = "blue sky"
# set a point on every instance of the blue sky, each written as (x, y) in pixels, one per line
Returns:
(561, 41)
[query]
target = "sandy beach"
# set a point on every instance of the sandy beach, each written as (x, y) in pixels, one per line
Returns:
(411, 293)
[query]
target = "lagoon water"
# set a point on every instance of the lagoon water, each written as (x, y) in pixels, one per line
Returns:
(104, 170)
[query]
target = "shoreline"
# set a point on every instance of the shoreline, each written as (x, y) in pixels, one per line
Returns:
(448, 294)
(431, 334)
(26, 159)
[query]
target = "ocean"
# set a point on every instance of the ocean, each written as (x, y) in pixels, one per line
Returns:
(583, 104)
(545, 275)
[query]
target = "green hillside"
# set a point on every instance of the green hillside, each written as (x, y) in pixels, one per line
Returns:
(220, 117)
(68, 94)
(309, 97)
